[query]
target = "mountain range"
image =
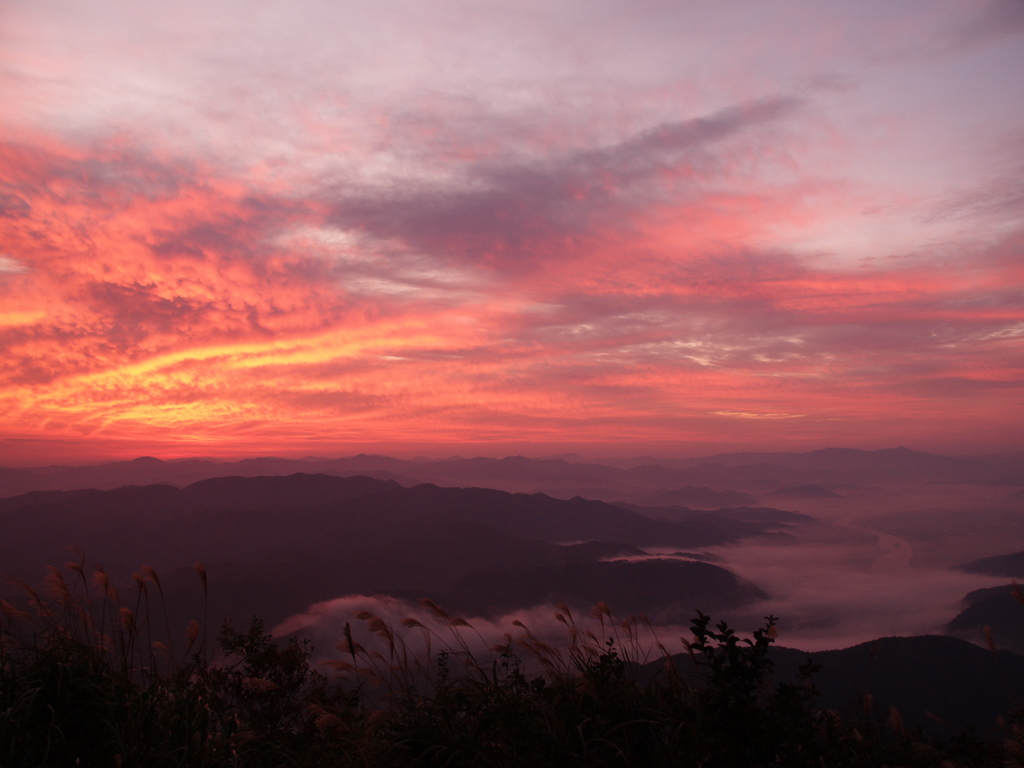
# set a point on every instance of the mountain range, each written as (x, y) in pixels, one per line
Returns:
(274, 545)
(689, 482)
(278, 535)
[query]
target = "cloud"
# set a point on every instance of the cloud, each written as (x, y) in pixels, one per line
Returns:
(998, 200)
(858, 593)
(12, 266)
(159, 296)
(992, 21)
(865, 587)
(615, 229)
(516, 216)
(323, 624)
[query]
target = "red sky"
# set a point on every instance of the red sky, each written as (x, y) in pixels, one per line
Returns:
(317, 228)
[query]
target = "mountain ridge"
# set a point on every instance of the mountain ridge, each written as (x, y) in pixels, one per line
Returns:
(325, 536)
(619, 479)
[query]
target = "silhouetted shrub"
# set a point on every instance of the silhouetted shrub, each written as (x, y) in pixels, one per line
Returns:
(83, 682)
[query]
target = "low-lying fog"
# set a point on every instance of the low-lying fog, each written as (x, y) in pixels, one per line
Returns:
(842, 546)
(874, 562)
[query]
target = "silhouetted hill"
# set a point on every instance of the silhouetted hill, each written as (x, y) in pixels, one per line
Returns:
(850, 465)
(993, 607)
(292, 491)
(940, 683)
(768, 515)
(809, 491)
(954, 680)
(746, 477)
(631, 480)
(695, 496)
(580, 519)
(273, 545)
(219, 493)
(150, 471)
(1011, 566)
(665, 590)
(39, 498)
(765, 515)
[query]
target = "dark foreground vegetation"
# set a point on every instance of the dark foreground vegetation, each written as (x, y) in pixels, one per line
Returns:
(83, 681)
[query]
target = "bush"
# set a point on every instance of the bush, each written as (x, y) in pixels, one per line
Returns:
(83, 682)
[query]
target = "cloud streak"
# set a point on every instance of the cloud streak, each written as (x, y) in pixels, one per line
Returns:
(498, 262)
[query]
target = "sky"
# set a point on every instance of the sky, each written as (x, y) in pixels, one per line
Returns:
(438, 226)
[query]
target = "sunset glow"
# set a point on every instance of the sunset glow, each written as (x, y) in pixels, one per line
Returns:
(329, 227)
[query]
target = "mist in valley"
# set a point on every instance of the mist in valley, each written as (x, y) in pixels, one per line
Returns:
(842, 546)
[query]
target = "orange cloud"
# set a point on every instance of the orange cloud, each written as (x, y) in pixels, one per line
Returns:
(610, 297)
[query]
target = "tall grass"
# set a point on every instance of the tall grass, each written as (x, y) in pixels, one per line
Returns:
(91, 677)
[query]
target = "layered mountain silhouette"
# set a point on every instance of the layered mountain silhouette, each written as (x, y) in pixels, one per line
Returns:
(809, 491)
(886, 464)
(630, 480)
(273, 545)
(275, 540)
(696, 496)
(667, 591)
(768, 515)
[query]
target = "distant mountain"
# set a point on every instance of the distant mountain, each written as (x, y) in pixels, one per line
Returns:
(147, 470)
(273, 545)
(995, 608)
(744, 514)
(609, 481)
(695, 496)
(849, 465)
(749, 478)
(1011, 566)
(664, 590)
(809, 491)
(518, 474)
(222, 493)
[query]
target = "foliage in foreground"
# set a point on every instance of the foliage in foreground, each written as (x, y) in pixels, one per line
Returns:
(82, 682)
